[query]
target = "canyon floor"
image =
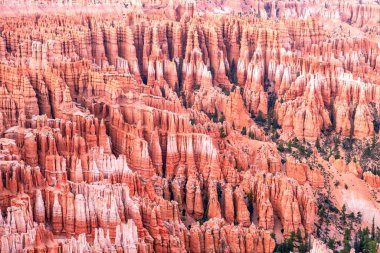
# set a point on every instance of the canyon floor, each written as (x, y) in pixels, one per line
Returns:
(189, 126)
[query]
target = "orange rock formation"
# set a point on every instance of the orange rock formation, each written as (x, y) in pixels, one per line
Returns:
(149, 127)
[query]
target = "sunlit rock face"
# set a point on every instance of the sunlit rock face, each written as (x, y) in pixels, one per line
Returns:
(174, 126)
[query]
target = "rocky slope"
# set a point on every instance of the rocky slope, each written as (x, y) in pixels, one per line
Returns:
(176, 126)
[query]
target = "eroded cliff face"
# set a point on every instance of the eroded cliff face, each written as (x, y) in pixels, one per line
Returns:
(148, 131)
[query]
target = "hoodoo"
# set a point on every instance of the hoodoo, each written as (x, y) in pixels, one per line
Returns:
(146, 126)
